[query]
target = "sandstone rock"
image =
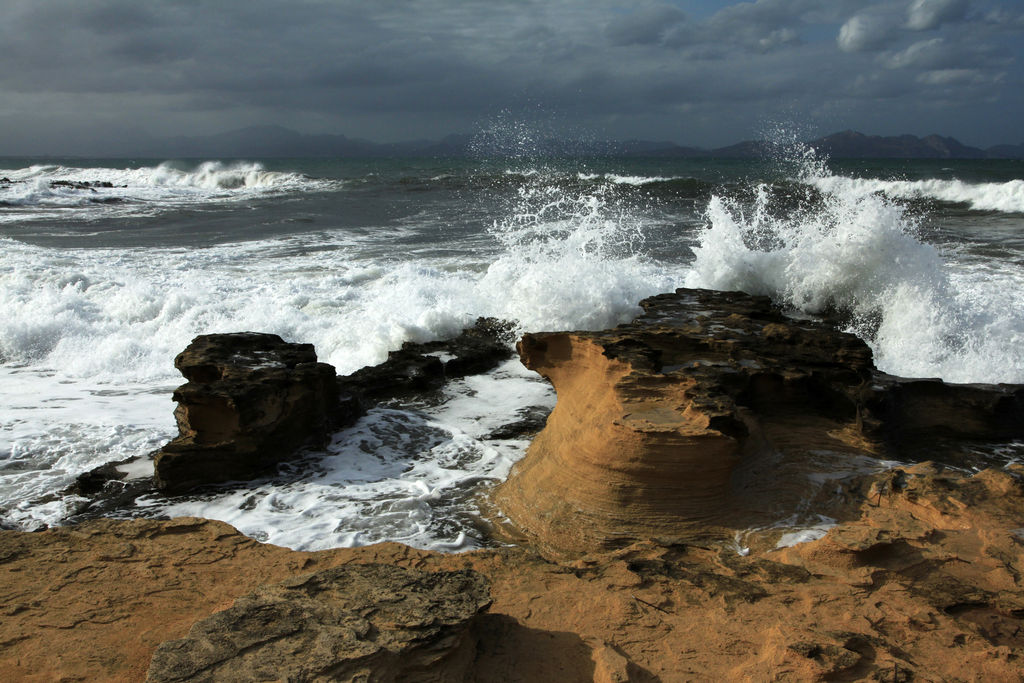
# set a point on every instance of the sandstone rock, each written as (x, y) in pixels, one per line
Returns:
(251, 400)
(358, 622)
(711, 413)
(922, 583)
(653, 417)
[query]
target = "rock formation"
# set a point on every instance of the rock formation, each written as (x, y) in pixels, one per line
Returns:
(422, 367)
(922, 583)
(641, 558)
(711, 413)
(356, 622)
(251, 400)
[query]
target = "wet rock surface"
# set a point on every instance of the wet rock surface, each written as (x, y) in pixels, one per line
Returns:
(714, 412)
(417, 368)
(356, 622)
(254, 401)
(251, 401)
(82, 184)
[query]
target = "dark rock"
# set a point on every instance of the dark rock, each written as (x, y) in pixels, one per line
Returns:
(107, 489)
(531, 420)
(916, 409)
(424, 367)
(95, 480)
(480, 348)
(405, 372)
(81, 184)
(370, 622)
(251, 401)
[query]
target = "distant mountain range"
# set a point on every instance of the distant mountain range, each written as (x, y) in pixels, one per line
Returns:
(845, 145)
(276, 141)
(851, 144)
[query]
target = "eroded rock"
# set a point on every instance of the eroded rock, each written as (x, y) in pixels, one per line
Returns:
(357, 622)
(251, 401)
(714, 412)
(921, 582)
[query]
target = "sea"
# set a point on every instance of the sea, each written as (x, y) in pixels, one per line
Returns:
(109, 267)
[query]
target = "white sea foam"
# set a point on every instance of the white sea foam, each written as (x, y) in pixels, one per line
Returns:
(1006, 197)
(626, 179)
(47, 191)
(84, 323)
(861, 253)
(396, 475)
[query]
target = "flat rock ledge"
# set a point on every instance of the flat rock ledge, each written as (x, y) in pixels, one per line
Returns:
(712, 413)
(356, 622)
(921, 583)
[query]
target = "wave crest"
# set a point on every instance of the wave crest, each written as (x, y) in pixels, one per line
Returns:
(49, 187)
(1007, 197)
(850, 250)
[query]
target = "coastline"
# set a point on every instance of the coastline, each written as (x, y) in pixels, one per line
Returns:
(918, 577)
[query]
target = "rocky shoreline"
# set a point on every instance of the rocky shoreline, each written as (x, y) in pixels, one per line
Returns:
(642, 522)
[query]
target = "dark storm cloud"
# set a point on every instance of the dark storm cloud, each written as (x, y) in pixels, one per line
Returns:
(695, 71)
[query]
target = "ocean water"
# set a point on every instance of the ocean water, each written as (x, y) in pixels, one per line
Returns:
(109, 268)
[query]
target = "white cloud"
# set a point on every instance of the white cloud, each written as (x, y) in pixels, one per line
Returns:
(924, 15)
(925, 53)
(957, 77)
(864, 31)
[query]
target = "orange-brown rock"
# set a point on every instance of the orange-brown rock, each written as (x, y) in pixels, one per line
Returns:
(712, 413)
(923, 583)
(355, 622)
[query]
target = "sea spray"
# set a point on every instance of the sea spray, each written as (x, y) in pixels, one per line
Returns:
(572, 257)
(848, 249)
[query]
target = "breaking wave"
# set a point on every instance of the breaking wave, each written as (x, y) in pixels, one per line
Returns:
(47, 187)
(1006, 197)
(858, 253)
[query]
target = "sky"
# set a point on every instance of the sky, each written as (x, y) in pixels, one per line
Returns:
(700, 73)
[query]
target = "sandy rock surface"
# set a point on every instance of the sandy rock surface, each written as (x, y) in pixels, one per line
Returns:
(923, 585)
(713, 413)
